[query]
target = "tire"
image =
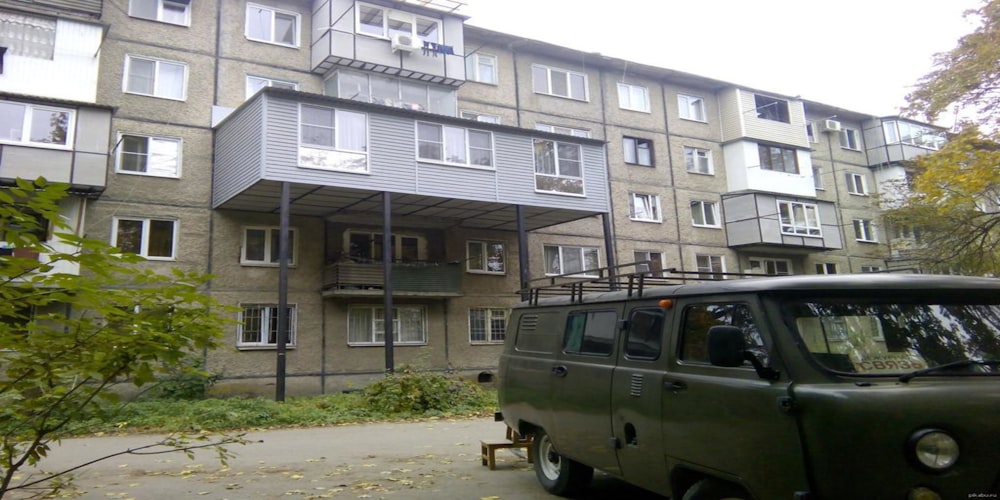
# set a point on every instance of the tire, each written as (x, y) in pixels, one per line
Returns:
(556, 473)
(711, 489)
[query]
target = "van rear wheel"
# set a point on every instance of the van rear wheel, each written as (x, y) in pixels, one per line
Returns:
(558, 474)
(711, 489)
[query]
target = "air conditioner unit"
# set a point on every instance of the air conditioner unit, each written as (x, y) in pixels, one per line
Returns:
(405, 43)
(831, 125)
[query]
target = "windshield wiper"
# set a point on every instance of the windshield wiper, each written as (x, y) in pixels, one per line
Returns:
(947, 366)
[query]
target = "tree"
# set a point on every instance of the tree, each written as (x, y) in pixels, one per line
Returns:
(67, 339)
(952, 197)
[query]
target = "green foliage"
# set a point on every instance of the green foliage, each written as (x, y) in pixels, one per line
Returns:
(185, 382)
(410, 392)
(67, 338)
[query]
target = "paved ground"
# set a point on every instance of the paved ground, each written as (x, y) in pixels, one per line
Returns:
(413, 460)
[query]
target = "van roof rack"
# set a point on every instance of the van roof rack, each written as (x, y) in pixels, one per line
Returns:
(612, 278)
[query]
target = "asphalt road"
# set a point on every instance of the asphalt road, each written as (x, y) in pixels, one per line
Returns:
(413, 460)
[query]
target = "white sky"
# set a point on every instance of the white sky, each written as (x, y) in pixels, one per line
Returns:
(862, 55)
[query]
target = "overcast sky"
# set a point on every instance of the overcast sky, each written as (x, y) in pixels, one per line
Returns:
(862, 55)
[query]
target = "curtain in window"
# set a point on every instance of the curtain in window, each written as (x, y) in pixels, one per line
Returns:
(545, 158)
(141, 74)
(171, 81)
(28, 36)
(359, 326)
(411, 325)
(454, 145)
(352, 131)
(642, 207)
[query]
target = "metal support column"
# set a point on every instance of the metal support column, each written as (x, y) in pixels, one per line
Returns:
(387, 256)
(609, 249)
(282, 333)
(522, 252)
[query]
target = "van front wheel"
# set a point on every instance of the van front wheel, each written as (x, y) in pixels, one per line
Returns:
(558, 474)
(710, 489)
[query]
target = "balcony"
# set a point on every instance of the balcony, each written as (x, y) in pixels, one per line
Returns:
(353, 279)
(758, 221)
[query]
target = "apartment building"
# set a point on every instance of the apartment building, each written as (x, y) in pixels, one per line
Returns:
(415, 164)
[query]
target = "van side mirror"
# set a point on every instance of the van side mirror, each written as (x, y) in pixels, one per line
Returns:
(726, 346)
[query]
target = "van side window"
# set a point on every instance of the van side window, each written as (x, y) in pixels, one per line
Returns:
(538, 332)
(590, 332)
(699, 318)
(645, 334)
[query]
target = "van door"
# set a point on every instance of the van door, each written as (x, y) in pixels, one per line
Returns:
(581, 384)
(636, 398)
(729, 421)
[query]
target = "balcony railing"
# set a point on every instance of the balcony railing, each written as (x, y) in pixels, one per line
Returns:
(432, 279)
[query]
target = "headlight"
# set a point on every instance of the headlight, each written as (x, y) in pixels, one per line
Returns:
(934, 449)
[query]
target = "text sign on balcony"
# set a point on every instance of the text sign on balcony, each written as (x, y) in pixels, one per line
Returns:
(431, 48)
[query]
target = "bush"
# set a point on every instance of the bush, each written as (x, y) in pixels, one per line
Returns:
(411, 392)
(187, 382)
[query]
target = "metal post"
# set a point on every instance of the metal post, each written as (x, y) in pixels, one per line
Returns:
(387, 256)
(609, 248)
(282, 333)
(522, 252)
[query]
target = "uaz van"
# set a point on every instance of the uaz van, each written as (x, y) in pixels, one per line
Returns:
(874, 386)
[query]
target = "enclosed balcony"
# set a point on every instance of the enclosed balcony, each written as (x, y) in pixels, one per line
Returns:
(771, 221)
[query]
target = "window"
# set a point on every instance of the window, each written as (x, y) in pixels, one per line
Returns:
(644, 207)
(555, 129)
(559, 82)
(36, 125)
(769, 108)
(146, 155)
(698, 161)
(480, 117)
(691, 108)
(770, 266)
(633, 97)
(366, 325)
(645, 334)
(155, 78)
(166, 11)
(870, 269)
(377, 21)
(777, 158)
(590, 332)
(153, 239)
(333, 139)
(856, 184)
(711, 267)
(705, 214)
(395, 92)
(638, 151)
(255, 83)
(898, 132)
(481, 68)
(699, 318)
(486, 257)
(558, 167)
(28, 35)
(258, 325)
(864, 231)
(265, 24)
(799, 218)
(903, 231)
(366, 247)
(811, 132)
(571, 260)
(849, 139)
(260, 246)
(648, 262)
(454, 145)
(818, 178)
(826, 268)
(487, 325)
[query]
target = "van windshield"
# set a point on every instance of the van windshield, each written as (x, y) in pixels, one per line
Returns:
(879, 336)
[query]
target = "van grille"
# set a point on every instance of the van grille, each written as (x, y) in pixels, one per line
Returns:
(529, 322)
(635, 388)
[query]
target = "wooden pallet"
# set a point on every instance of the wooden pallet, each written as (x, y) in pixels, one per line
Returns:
(513, 440)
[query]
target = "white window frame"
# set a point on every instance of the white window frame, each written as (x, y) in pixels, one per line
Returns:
(856, 184)
(818, 178)
(826, 268)
(255, 83)
(695, 157)
(145, 235)
(551, 74)
(489, 330)
(339, 157)
(27, 124)
(705, 209)
(850, 139)
(692, 108)
(400, 16)
(475, 62)
(158, 65)
(268, 317)
(376, 321)
(271, 36)
(558, 165)
(765, 265)
(651, 256)
(558, 129)
(649, 203)
(902, 132)
(710, 266)
(632, 147)
(811, 132)
(560, 253)
(470, 114)
(809, 226)
(160, 11)
(489, 265)
(871, 269)
(864, 231)
(271, 235)
(467, 147)
(633, 97)
(151, 146)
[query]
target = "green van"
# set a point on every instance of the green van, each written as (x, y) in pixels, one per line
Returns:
(874, 386)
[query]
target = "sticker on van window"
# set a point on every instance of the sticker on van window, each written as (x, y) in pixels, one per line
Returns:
(888, 362)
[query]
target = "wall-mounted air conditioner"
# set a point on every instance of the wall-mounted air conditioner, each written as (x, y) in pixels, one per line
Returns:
(405, 43)
(831, 125)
